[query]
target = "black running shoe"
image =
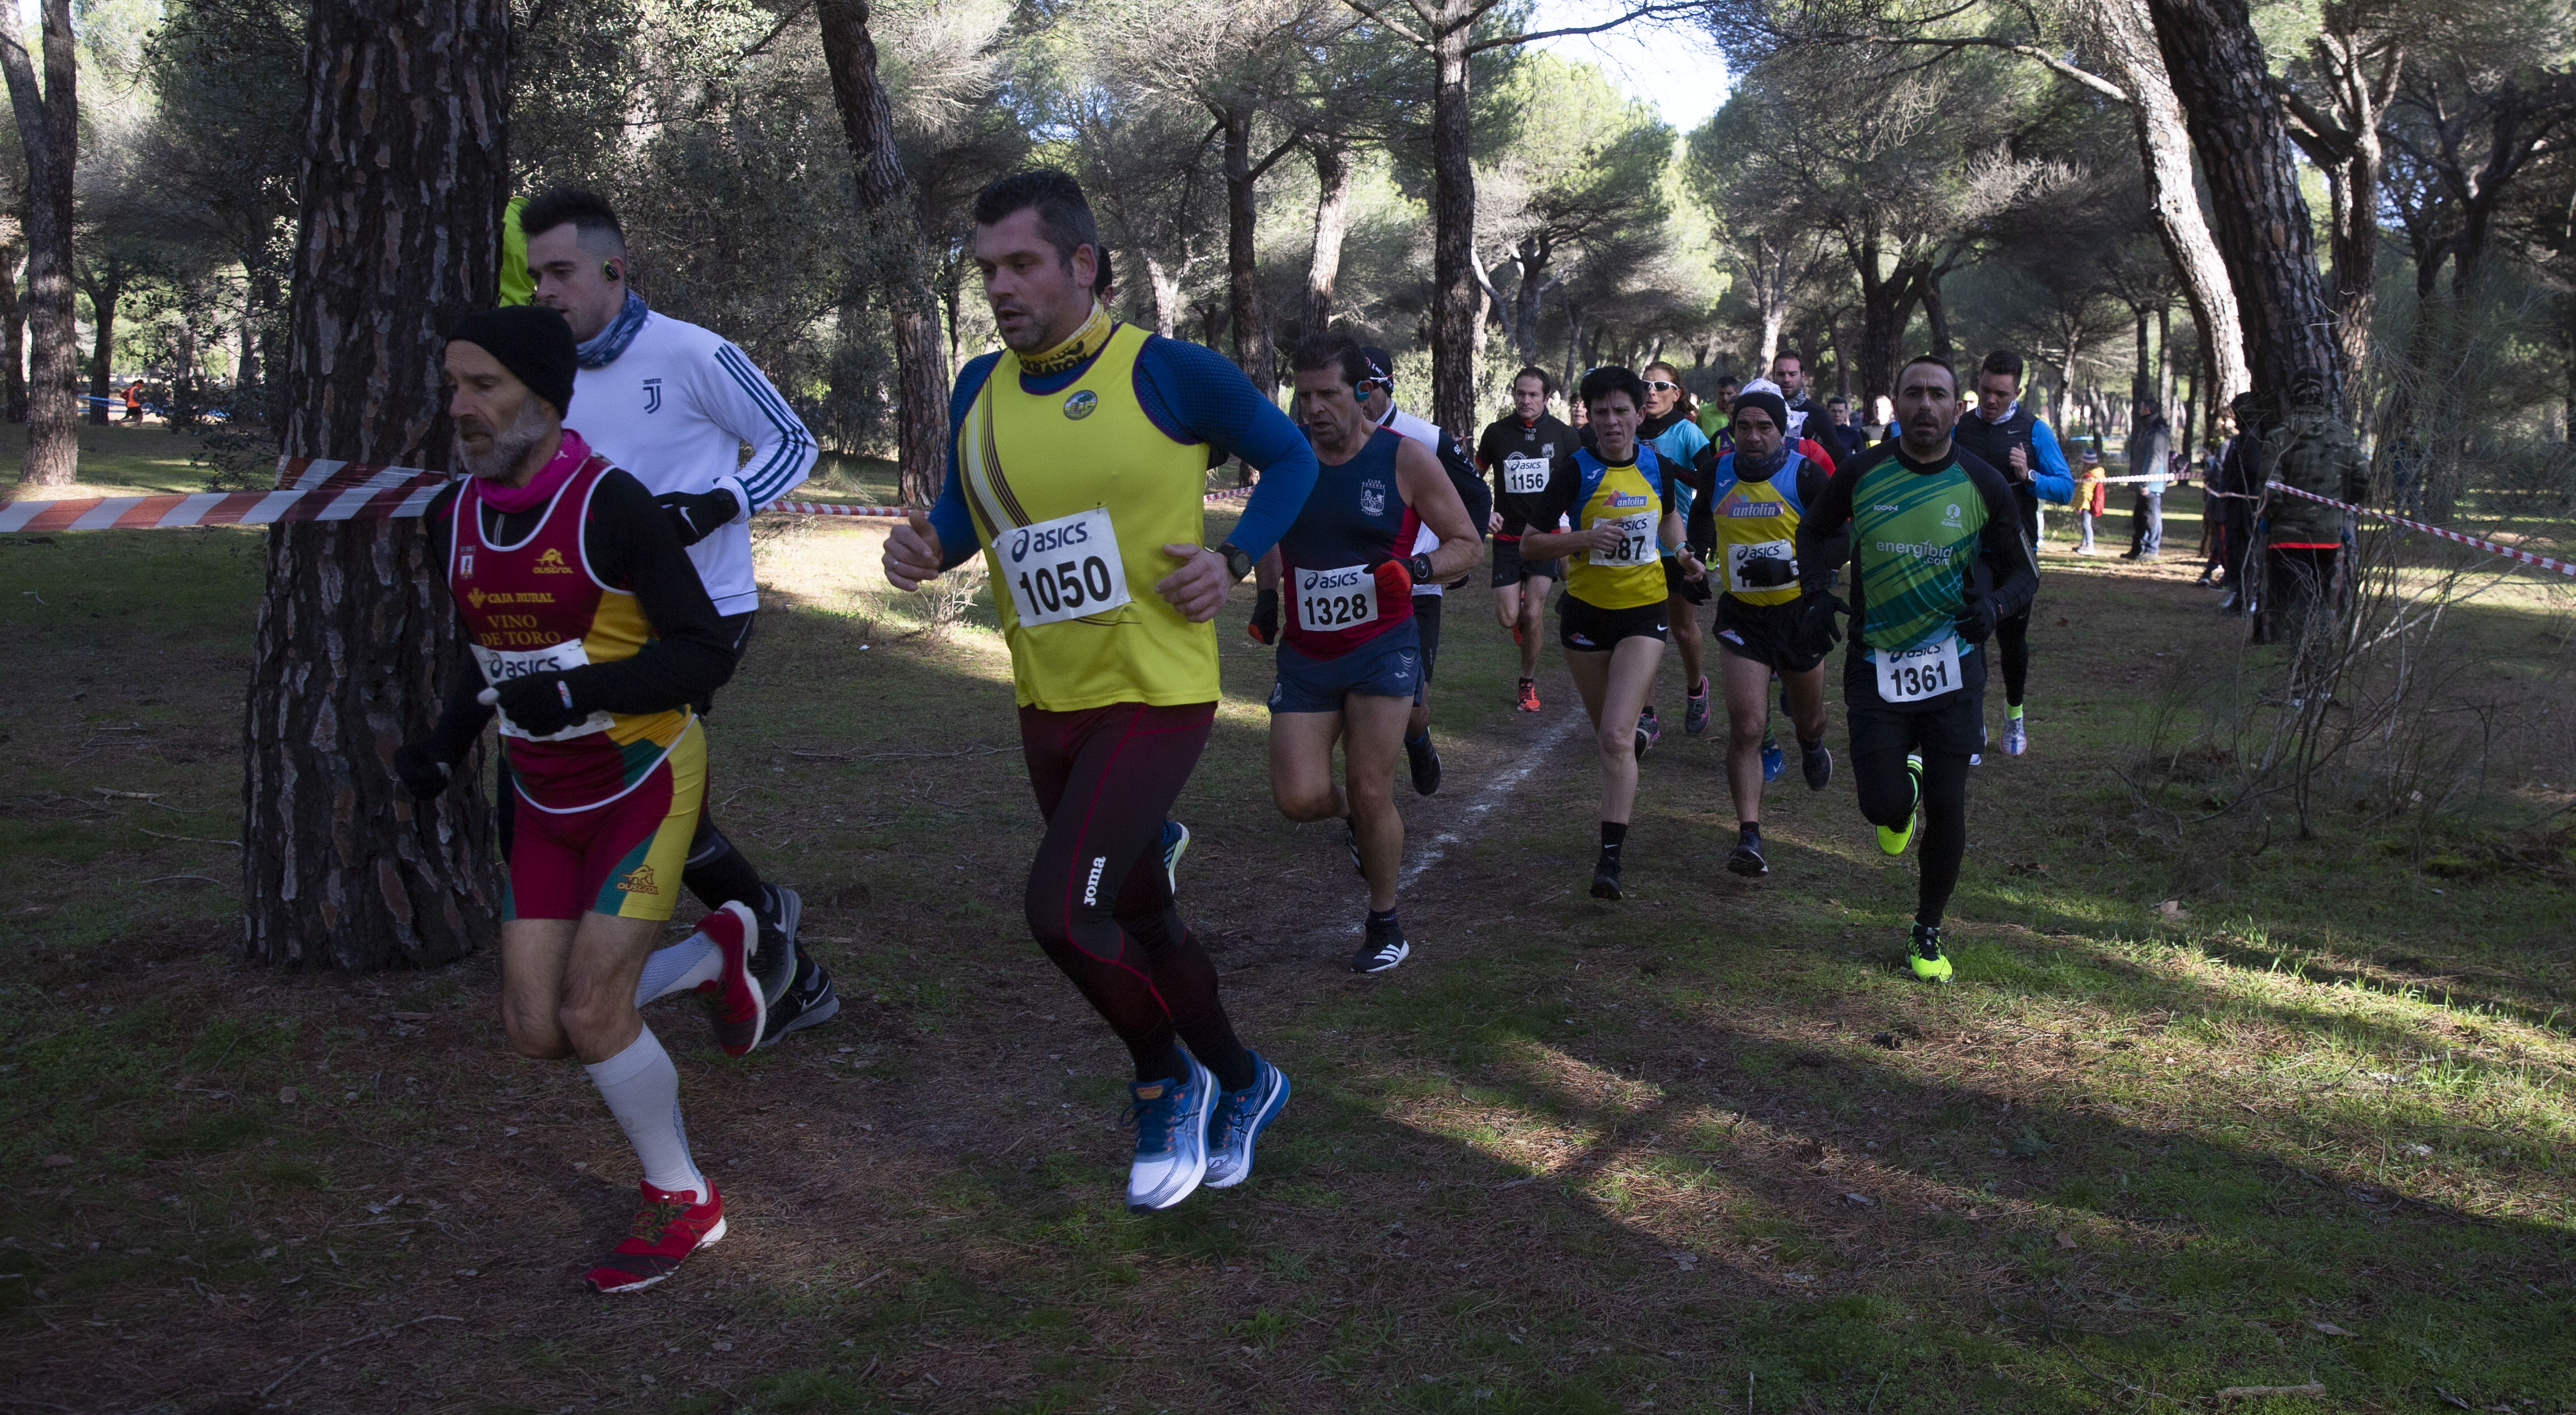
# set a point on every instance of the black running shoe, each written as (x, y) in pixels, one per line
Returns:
(1424, 758)
(1382, 946)
(810, 1001)
(1605, 881)
(774, 960)
(1818, 763)
(1747, 858)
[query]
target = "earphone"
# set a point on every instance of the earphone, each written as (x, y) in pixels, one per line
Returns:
(608, 271)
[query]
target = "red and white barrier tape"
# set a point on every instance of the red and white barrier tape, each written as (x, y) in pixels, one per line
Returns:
(2520, 556)
(317, 489)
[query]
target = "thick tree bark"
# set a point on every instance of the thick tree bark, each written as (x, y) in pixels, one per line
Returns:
(2127, 31)
(1454, 332)
(889, 216)
(1332, 222)
(1936, 313)
(2263, 232)
(2359, 72)
(104, 295)
(1166, 283)
(49, 131)
(400, 183)
(1242, 254)
(13, 335)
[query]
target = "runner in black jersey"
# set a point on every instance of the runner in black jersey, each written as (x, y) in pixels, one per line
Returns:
(2011, 439)
(1518, 450)
(1937, 557)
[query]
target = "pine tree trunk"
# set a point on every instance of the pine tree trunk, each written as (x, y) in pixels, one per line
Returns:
(1454, 331)
(1242, 255)
(400, 183)
(1332, 222)
(13, 335)
(48, 130)
(892, 224)
(2262, 226)
(102, 304)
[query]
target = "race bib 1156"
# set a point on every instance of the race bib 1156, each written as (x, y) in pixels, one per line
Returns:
(1525, 476)
(1062, 569)
(1335, 599)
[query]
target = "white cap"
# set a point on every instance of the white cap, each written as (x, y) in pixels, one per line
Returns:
(1762, 385)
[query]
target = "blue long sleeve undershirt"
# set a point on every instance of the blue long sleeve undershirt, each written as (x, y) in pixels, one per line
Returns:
(1193, 394)
(2052, 479)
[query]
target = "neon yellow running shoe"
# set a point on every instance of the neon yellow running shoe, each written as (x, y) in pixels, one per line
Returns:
(1925, 955)
(1893, 842)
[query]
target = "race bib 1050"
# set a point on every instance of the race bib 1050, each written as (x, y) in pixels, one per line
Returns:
(1062, 569)
(502, 665)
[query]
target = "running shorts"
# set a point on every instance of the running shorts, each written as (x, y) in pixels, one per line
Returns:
(1952, 722)
(1764, 633)
(1675, 583)
(1510, 569)
(1588, 628)
(622, 858)
(1388, 666)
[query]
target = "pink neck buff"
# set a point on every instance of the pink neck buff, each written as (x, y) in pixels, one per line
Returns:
(510, 500)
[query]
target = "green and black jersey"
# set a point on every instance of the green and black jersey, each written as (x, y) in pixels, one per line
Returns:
(1921, 534)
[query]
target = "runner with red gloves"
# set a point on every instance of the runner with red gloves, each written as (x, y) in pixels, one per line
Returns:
(1349, 654)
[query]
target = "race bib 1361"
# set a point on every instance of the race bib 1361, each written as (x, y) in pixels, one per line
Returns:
(1911, 675)
(1062, 569)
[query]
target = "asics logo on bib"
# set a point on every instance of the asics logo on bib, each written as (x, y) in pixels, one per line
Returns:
(1091, 886)
(1920, 550)
(1025, 542)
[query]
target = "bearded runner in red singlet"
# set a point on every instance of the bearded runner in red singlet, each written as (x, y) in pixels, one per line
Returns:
(591, 636)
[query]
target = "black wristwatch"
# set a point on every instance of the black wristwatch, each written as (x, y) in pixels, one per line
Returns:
(1420, 567)
(1236, 562)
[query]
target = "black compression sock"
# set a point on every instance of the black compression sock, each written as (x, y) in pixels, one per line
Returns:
(1613, 835)
(719, 874)
(1160, 1061)
(1750, 830)
(1381, 918)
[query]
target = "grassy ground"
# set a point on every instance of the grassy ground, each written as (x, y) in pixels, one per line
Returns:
(115, 460)
(1706, 1150)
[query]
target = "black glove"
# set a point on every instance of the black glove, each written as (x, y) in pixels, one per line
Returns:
(1819, 625)
(1264, 627)
(1976, 617)
(1769, 572)
(541, 704)
(425, 766)
(696, 515)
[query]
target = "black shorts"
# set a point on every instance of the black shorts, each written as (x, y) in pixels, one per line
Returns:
(1676, 584)
(1764, 633)
(1953, 722)
(1510, 569)
(1588, 628)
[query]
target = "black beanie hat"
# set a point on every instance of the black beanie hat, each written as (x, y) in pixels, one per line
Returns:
(531, 341)
(1767, 402)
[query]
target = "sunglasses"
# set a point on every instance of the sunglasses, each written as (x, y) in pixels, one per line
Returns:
(1661, 385)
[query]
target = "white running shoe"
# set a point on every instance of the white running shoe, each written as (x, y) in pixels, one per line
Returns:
(1171, 1120)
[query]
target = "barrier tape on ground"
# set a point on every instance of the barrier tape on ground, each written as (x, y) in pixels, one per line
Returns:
(2524, 557)
(318, 489)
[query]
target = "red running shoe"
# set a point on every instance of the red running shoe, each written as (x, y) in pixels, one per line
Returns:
(1529, 695)
(668, 1227)
(735, 1003)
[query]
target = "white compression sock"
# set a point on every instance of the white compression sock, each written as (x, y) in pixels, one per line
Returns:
(678, 968)
(642, 1089)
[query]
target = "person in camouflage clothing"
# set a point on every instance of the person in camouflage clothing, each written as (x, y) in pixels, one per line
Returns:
(2311, 450)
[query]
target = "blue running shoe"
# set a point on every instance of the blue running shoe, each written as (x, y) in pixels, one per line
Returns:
(1240, 1118)
(1176, 842)
(1775, 763)
(1171, 1120)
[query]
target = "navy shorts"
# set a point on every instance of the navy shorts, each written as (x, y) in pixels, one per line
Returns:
(1388, 666)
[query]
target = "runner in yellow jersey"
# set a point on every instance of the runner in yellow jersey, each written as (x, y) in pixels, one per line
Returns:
(1612, 622)
(1077, 465)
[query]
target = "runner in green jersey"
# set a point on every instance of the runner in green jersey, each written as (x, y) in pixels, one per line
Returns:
(1937, 558)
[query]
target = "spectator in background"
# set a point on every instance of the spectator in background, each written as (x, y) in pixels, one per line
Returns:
(2150, 444)
(134, 401)
(2092, 495)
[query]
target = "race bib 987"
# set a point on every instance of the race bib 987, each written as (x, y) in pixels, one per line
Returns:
(1911, 675)
(1335, 599)
(1062, 569)
(1636, 542)
(502, 665)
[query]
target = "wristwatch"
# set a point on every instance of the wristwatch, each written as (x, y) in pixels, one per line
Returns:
(1420, 568)
(1237, 563)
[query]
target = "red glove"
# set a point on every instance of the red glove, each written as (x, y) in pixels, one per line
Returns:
(1394, 584)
